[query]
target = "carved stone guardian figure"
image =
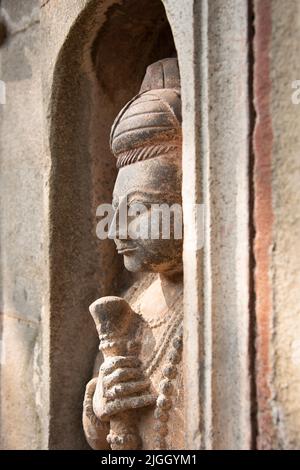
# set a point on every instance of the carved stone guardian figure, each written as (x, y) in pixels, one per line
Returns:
(136, 400)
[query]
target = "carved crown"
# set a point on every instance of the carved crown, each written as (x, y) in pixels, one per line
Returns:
(150, 124)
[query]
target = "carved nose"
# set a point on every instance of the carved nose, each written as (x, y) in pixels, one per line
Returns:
(118, 228)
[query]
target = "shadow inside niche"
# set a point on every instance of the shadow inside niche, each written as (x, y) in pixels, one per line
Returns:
(133, 37)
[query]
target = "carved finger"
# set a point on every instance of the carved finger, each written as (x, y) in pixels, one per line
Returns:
(95, 430)
(88, 412)
(126, 389)
(121, 375)
(113, 363)
(90, 390)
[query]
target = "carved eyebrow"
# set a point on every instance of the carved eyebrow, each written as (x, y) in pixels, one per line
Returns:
(142, 194)
(146, 195)
(155, 194)
(130, 194)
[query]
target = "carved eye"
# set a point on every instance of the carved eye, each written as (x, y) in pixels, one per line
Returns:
(138, 207)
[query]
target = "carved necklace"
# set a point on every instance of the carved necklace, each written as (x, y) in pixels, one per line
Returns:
(173, 335)
(153, 362)
(155, 323)
(164, 401)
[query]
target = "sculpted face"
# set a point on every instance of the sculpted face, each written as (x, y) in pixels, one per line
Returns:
(139, 186)
(146, 140)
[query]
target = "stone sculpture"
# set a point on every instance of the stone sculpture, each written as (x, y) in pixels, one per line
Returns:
(136, 401)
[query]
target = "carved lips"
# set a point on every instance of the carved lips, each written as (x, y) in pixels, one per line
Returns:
(124, 250)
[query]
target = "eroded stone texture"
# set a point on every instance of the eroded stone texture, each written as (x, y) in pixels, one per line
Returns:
(139, 388)
(263, 219)
(3, 32)
(23, 403)
(285, 270)
(277, 223)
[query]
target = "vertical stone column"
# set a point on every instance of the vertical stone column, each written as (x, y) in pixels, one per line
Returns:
(212, 43)
(277, 223)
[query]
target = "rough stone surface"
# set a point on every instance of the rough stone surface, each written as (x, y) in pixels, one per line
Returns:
(277, 223)
(211, 39)
(22, 243)
(263, 220)
(226, 262)
(285, 269)
(3, 32)
(66, 90)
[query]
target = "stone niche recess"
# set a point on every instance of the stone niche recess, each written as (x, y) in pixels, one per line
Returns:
(100, 66)
(96, 54)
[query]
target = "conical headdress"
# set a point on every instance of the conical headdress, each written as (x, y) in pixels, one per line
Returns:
(150, 124)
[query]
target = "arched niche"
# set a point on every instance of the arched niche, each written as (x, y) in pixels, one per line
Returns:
(80, 40)
(100, 66)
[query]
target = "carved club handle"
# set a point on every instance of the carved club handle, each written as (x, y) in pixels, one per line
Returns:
(116, 325)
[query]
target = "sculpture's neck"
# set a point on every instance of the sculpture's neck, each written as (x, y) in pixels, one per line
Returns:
(171, 285)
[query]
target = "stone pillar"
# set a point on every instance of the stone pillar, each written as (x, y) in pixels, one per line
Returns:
(212, 43)
(23, 397)
(277, 223)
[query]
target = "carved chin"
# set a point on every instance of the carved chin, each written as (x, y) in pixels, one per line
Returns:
(133, 263)
(136, 264)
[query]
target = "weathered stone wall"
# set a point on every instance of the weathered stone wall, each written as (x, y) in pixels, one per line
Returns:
(277, 222)
(22, 230)
(51, 268)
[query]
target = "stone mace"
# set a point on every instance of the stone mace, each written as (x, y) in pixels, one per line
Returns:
(117, 325)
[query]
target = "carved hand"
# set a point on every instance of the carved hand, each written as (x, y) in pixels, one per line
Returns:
(96, 432)
(120, 382)
(121, 387)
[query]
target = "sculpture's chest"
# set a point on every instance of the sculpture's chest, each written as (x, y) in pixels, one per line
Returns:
(162, 427)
